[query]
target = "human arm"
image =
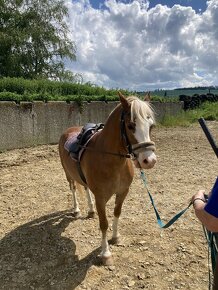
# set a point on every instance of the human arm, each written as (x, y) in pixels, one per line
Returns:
(199, 203)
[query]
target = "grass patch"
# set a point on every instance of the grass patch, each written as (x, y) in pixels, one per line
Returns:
(209, 111)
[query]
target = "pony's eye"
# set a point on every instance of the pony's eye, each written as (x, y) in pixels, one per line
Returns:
(151, 127)
(131, 126)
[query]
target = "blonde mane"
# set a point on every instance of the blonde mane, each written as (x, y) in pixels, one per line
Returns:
(140, 108)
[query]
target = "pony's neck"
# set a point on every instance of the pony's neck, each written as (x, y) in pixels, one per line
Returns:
(111, 134)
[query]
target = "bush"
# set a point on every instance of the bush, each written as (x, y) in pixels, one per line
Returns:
(52, 88)
(8, 96)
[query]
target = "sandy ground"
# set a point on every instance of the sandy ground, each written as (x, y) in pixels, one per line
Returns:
(44, 247)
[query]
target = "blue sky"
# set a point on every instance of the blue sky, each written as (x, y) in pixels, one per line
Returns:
(198, 5)
(145, 45)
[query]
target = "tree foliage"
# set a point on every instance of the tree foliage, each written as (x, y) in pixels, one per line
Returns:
(34, 39)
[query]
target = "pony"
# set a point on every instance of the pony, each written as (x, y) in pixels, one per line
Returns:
(106, 165)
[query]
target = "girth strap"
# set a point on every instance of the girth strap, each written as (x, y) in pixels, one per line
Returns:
(81, 172)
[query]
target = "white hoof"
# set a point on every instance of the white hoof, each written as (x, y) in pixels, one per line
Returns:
(91, 214)
(115, 241)
(107, 261)
(77, 214)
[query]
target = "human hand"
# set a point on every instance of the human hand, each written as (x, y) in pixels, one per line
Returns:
(199, 197)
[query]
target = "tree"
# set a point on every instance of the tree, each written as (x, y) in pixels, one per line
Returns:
(34, 39)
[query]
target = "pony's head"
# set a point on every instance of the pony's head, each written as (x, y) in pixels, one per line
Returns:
(139, 119)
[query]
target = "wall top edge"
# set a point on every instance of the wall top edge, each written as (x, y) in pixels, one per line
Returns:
(73, 102)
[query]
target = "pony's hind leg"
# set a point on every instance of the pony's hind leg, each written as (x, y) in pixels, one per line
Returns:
(76, 209)
(117, 211)
(91, 211)
(105, 255)
(79, 188)
(116, 236)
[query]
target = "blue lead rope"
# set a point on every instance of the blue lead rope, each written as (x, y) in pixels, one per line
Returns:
(159, 221)
(210, 237)
(211, 240)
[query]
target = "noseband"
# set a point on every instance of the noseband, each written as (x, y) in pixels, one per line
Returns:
(134, 149)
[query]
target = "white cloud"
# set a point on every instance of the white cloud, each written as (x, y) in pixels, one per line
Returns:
(132, 46)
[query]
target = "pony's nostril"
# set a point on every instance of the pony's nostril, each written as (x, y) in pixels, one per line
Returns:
(145, 161)
(149, 162)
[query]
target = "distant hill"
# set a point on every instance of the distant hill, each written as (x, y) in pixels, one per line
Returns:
(185, 91)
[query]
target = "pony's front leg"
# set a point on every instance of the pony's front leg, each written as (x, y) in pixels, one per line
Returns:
(76, 209)
(105, 255)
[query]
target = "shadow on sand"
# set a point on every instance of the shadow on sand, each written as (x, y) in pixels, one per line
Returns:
(36, 256)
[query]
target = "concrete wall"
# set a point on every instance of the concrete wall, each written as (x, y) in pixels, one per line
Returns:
(36, 123)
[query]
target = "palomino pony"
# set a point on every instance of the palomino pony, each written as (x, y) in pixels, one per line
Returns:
(105, 164)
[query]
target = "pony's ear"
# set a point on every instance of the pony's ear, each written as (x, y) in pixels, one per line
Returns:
(124, 102)
(147, 97)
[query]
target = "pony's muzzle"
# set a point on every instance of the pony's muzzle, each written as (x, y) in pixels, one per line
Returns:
(149, 161)
(145, 155)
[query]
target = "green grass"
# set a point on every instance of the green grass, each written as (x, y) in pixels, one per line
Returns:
(209, 111)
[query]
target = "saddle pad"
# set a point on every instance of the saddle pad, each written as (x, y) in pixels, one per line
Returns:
(71, 143)
(75, 143)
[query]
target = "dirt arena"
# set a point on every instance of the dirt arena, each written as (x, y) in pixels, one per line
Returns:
(43, 247)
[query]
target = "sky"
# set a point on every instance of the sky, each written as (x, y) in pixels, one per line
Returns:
(143, 45)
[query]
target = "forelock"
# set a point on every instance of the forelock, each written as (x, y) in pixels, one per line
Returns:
(140, 108)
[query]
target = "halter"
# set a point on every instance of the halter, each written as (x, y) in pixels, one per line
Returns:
(125, 137)
(133, 149)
